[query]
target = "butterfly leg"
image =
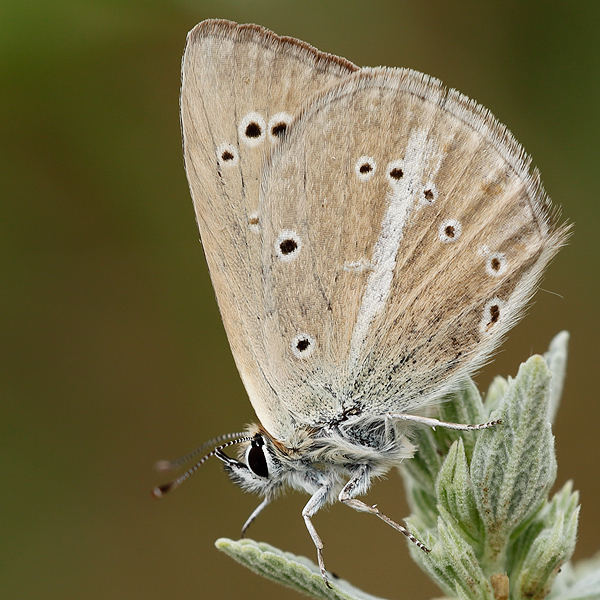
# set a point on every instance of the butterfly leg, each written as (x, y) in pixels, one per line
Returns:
(358, 484)
(255, 514)
(316, 501)
(433, 423)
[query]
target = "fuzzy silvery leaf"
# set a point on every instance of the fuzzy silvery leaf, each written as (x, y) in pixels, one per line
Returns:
(556, 357)
(464, 406)
(423, 505)
(296, 572)
(578, 582)
(514, 465)
(452, 563)
(456, 503)
(552, 546)
(495, 393)
(563, 506)
(425, 465)
(420, 474)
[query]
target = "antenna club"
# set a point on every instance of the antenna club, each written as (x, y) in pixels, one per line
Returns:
(161, 490)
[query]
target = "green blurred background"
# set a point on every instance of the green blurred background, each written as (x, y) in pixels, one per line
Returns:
(113, 352)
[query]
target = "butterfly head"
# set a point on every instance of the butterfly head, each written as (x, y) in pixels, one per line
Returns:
(266, 466)
(260, 467)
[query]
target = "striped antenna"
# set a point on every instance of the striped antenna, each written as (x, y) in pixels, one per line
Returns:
(161, 490)
(168, 466)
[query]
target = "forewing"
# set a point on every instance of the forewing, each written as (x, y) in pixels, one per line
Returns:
(241, 87)
(403, 235)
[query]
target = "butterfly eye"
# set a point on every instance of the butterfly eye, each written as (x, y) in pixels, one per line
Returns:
(256, 459)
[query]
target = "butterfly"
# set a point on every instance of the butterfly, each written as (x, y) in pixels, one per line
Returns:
(370, 235)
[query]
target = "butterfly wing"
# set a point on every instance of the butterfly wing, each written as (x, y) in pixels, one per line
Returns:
(403, 233)
(241, 87)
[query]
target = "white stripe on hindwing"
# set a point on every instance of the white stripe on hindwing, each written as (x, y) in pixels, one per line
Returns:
(417, 168)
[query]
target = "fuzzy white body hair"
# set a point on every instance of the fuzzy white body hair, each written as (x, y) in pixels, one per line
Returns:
(310, 460)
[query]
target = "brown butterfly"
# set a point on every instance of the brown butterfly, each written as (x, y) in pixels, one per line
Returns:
(371, 236)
